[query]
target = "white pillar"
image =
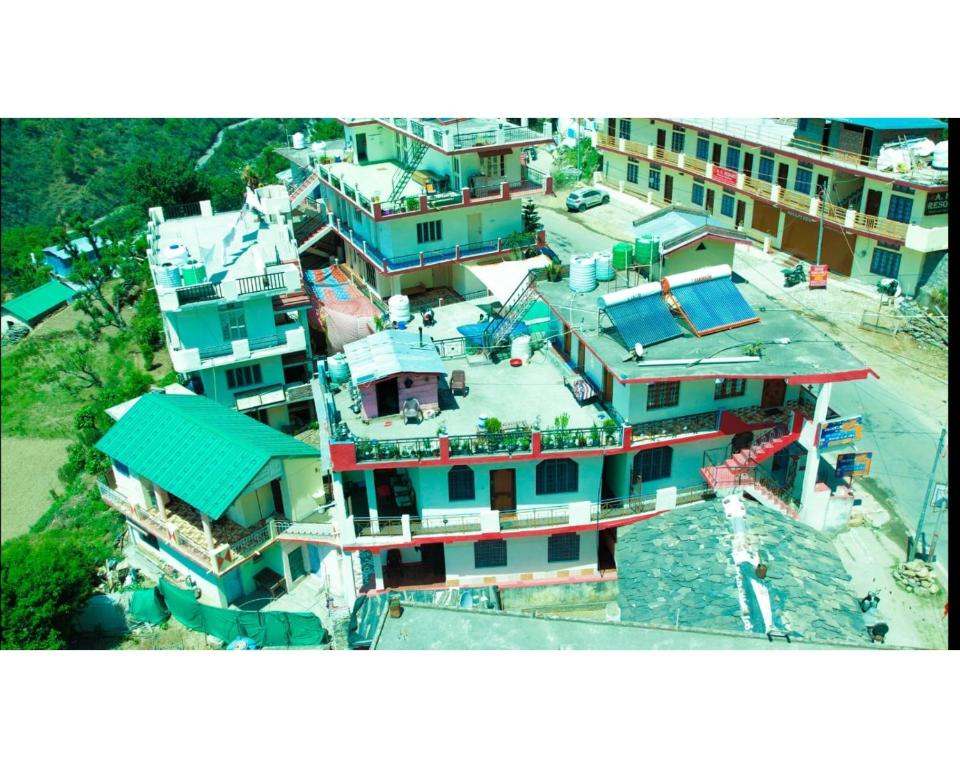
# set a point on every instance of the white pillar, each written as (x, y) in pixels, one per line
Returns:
(287, 572)
(378, 569)
(370, 485)
(348, 587)
(161, 504)
(813, 456)
(207, 530)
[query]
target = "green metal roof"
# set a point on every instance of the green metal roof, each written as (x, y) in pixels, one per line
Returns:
(39, 301)
(203, 452)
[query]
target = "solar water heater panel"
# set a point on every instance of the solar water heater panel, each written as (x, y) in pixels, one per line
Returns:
(713, 305)
(645, 319)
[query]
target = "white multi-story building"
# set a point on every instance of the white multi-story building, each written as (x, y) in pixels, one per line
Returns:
(234, 311)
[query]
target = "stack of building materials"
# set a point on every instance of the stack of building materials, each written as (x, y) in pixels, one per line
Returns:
(916, 576)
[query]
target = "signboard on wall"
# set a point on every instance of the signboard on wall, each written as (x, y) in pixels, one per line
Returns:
(936, 203)
(818, 275)
(725, 176)
(854, 464)
(840, 432)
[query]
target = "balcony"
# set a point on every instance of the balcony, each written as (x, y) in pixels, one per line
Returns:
(288, 338)
(182, 529)
(464, 135)
(799, 202)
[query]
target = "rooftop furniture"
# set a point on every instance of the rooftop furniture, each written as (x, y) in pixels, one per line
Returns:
(271, 581)
(458, 382)
(411, 410)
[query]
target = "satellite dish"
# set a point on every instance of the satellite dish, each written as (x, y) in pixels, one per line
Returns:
(638, 349)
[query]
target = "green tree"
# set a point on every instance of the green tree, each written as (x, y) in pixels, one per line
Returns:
(325, 129)
(19, 271)
(167, 180)
(147, 327)
(531, 219)
(44, 580)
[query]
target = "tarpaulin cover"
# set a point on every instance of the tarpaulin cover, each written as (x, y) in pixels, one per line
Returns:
(338, 307)
(146, 606)
(474, 332)
(265, 627)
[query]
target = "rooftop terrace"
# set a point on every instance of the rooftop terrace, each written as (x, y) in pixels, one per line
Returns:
(808, 351)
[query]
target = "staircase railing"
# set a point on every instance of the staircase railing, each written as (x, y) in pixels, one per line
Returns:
(405, 172)
(511, 313)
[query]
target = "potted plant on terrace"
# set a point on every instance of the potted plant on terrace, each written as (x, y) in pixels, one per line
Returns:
(493, 429)
(594, 435)
(609, 428)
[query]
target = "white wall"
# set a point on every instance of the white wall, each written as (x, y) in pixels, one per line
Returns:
(695, 397)
(525, 556)
(302, 479)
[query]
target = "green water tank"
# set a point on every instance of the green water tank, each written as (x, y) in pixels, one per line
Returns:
(622, 255)
(647, 250)
(193, 273)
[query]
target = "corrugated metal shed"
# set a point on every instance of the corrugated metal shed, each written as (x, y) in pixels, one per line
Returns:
(82, 244)
(893, 123)
(36, 303)
(388, 353)
(195, 448)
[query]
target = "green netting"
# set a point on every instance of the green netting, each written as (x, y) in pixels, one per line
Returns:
(265, 627)
(146, 606)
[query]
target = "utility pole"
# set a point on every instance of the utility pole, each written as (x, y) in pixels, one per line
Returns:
(823, 201)
(926, 498)
(578, 143)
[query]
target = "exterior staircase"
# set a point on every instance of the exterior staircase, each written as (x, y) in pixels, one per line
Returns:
(742, 472)
(405, 172)
(297, 194)
(311, 230)
(499, 328)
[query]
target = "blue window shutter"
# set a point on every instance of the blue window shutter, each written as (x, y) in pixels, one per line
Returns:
(703, 149)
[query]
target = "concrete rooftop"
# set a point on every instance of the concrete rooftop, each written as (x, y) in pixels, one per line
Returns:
(810, 351)
(373, 179)
(427, 627)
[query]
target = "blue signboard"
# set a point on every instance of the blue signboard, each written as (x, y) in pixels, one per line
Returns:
(840, 432)
(853, 464)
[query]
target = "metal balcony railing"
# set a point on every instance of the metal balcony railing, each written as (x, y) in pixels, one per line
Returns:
(271, 281)
(193, 294)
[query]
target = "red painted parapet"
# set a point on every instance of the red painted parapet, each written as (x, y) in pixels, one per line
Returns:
(467, 195)
(343, 455)
(541, 237)
(627, 435)
(535, 443)
(444, 448)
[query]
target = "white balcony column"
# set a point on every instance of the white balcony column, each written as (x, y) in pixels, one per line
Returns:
(740, 180)
(207, 530)
(372, 502)
(287, 571)
(775, 193)
(405, 527)
(813, 454)
(621, 145)
(708, 171)
(815, 206)
(378, 570)
(849, 218)
(649, 151)
(161, 504)
(681, 160)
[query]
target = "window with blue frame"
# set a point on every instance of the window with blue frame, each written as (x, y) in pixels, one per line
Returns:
(801, 124)
(697, 196)
(633, 172)
(654, 181)
(726, 205)
(802, 182)
(900, 208)
(625, 129)
(676, 142)
(884, 262)
(703, 149)
(733, 158)
(766, 169)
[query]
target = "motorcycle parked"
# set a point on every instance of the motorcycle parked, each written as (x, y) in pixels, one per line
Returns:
(794, 275)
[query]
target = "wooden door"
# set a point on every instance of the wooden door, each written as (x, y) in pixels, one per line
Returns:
(277, 496)
(873, 202)
(825, 138)
(503, 489)
(612, 127)
(822, 183)
(361, 147)
(607, 386)
(748, 165)
(716, 154)
(661, 138)
(774, 391)
(709, 204)
(668, 188)
(581, 357)
(783, 172)
(741, 212)
(388, 397)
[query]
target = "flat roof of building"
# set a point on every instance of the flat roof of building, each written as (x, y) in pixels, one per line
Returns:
(373, 179)
(427, 627)
(809, 352)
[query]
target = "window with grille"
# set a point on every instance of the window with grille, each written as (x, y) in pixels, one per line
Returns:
(370, 271)
(233, 323)
(563, 548)
(900, 208)
(492, 166)
(557, 476)
(733, 159)
(703, 149)
(802, 182)
(490, 554)
(654, 180)
(884, 262)
(429, 231)
(654, 464)
(244, 376)
(633, 172)
(677, 141)
(460, 483)
(625, 129)
(697, 195)
(726, 205)
(766, 169)
(729, 388)
(663, 394)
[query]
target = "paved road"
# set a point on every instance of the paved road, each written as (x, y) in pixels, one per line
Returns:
(569, 237)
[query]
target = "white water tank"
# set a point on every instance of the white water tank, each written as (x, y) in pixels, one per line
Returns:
(399, 308)
(298, 142)
(604, 262)
(939, 160)
(175, 254)
(583, 274)
(338, 368)
(521, 347)
(168, 275)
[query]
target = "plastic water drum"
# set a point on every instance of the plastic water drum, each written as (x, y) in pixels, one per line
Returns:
(193, 273)
(338, 368)
(176, 254)
(521, 347)
(298, 142)
(583, 274)
(168, 275)
(604, 263)
(647, 250)
(399, 308)
(622, 255)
